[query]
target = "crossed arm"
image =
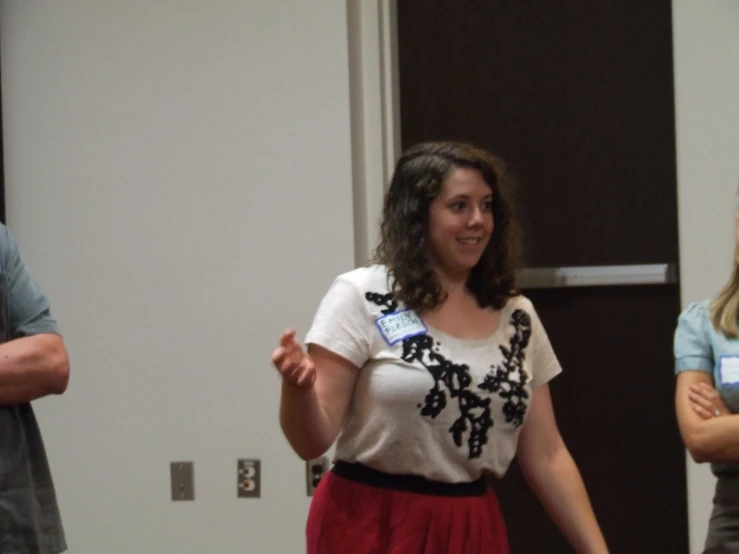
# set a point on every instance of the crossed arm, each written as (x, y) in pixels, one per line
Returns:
(34, 362)
(553, 476)
(32, 367)
(708, 438)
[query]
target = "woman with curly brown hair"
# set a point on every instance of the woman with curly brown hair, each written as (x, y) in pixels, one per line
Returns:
(432, 371)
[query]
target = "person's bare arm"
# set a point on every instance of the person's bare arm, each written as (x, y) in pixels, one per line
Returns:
(33, 358)
(316, 390)
(706, 401)
(708, 440)
(32, 367)
(551, 472)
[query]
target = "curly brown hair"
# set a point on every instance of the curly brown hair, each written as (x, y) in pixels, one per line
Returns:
(403, 247)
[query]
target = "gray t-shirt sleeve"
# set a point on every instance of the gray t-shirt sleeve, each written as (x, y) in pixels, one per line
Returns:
(28, 308)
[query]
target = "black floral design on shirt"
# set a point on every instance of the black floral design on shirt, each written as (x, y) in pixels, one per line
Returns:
(387, 300)
(453, 381)
(509, 379)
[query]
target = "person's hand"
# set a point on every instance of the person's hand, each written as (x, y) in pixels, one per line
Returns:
(706, 401)
(296, 367)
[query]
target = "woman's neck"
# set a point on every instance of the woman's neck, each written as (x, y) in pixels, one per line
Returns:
(452, 285)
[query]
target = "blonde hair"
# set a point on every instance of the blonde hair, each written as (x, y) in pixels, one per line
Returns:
(725, 307)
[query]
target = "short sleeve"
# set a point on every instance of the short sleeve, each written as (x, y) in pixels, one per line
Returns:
(692, 343)
(545, 364)
(29, 312)
(342, 324)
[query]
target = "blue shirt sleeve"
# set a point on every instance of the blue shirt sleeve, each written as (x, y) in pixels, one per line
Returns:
(28, 308)
(692, 343)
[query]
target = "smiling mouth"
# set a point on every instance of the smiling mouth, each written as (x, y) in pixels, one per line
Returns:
(470, 240)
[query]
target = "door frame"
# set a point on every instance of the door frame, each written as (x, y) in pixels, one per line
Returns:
(374, 101)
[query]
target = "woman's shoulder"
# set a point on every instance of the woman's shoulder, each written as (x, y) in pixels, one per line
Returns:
(695, 313)
(519, 302)
(699, 308)
(368, 278)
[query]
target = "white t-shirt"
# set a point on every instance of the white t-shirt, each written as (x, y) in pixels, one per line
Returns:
(427, 403)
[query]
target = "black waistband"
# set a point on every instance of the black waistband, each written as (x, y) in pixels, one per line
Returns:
(407, 483)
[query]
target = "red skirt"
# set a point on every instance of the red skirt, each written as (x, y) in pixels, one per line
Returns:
(358, 510)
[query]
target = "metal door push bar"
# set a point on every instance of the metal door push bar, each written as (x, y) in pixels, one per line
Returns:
(597, 276)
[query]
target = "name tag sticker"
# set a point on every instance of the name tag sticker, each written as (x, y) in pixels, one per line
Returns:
(729, 370)
(399, 326)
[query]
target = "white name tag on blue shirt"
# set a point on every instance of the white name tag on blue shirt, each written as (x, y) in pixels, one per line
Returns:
(399, 326)
(729, 370)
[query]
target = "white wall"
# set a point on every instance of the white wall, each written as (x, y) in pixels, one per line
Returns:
(179, 178)
(706, 47)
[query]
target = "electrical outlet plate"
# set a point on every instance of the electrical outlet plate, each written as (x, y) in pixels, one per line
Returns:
(249, 478)
(182, 479)
(314, 471)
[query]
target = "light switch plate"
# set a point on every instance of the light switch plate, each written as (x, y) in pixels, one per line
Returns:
(249, 478)
(314, 472)
(182, 477)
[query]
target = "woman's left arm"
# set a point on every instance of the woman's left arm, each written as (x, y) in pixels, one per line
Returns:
(553, 476)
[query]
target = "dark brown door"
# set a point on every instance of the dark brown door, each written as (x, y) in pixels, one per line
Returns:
(578, 97)
(2, 165)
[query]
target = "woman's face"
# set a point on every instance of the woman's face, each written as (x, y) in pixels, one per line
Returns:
(460, 222)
